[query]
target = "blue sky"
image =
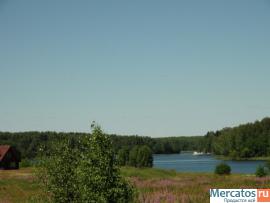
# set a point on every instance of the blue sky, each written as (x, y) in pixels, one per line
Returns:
(155, 68)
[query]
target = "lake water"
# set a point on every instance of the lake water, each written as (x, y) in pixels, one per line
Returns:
(187, 162)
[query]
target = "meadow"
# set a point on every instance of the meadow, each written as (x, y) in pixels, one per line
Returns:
(152, 185)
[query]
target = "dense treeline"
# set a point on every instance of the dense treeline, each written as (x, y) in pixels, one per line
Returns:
(171, 145)
(243, 141)
(29, 143)
(165, 145)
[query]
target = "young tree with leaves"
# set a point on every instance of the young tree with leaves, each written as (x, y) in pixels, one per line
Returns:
(86, 172)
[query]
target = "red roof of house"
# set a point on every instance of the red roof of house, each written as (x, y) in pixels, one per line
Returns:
(3, 150)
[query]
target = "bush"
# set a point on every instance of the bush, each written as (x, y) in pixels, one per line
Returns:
(223, 169)
(25, 163)
(141, 156)
(260, 172)
(84, 173)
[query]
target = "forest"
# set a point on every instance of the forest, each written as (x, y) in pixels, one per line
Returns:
(30, 143)
(243, 141)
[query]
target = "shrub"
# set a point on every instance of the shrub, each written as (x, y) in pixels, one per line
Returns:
(25, 163)
(223, 169)
(260, 172)
(86, 172)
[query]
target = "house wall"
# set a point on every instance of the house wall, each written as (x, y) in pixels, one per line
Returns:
(10, 161)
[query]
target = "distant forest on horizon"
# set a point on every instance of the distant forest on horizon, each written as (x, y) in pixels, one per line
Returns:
(243, 141)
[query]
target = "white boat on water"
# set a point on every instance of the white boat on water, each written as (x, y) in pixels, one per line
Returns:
(198, 153)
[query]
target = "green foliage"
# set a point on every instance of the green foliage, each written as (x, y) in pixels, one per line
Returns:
(25, 163)
(29, 143)
(244, 141)
(123, 156)
(233, 154)
(85, 172)
(241, 142)
(58, 173)
(260, 172)
(144, 157)
(141, 156)
(99, 178)
(174, 145)
(223, 169)
(133, 156)
(267, 165)
(245, 153)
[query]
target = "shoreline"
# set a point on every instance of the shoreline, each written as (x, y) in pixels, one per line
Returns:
(225, 158)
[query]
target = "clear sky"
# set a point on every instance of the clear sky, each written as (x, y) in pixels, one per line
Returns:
(155, 68)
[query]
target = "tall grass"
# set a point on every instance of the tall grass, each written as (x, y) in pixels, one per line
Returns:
(157, 186)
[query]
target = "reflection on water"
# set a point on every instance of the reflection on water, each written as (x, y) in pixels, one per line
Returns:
(187, 162)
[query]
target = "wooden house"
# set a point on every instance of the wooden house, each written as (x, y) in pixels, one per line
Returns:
(9, 157)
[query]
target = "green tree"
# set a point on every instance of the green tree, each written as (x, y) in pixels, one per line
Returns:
(86, 173)
(123, 156)
(245, 153)
(234, 155)
(133, 156)
(58, 173)
(144, 157)
(267, 165)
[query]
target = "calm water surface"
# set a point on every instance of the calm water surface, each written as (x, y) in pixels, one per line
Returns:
(187, 162)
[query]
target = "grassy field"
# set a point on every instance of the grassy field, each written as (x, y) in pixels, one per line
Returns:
(17, 185)
(153, 185)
